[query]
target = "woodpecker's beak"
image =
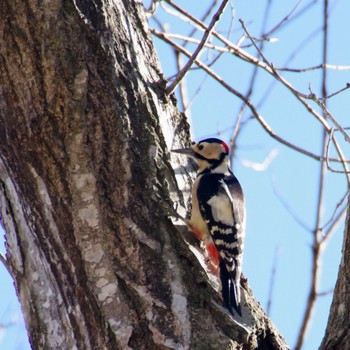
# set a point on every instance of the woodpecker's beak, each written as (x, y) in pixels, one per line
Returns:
(186, 151)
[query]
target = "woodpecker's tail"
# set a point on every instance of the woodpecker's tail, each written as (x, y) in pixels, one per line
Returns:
(230, 290)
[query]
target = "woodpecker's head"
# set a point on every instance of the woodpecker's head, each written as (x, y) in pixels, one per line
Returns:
(211, 154)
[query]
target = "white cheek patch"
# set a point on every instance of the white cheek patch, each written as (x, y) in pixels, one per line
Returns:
(221, 209)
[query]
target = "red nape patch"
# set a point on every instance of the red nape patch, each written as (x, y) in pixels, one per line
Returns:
(225, 146)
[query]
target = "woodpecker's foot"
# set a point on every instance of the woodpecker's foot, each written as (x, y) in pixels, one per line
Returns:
(196, 232)
(172, 212)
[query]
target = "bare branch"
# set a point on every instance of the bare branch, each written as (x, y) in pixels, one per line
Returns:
(192, 59)
(285, 19)
(337, 92)
(204, 17)
(256, 115)
(234, 49)
(335, 221)
(320, 66)
(301, 97)
(317, 238)
(328, 115)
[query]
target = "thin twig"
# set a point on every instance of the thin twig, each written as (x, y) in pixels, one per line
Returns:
(289, 209)
(256, 115)
(192, 59)
(311, 296)
(319, 66)
(317, 238)
(234, 49)
(272, 280)
(197, 91)
(298, 49)
(4, 262)
(270, 69)
(152, 7)
(337, 92)
(335, 222)
(238, 52)
(328, 147)
(325, 293)
(330, 139)
(188, 39)
(327, 114)
(285, 19)
(203, 19)
(249, 93)
(301, 97)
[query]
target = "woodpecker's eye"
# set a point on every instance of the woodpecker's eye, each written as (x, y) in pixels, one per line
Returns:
(200, 147)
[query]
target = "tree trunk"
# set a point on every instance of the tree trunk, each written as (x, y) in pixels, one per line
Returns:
(337, 335)
(87, 187)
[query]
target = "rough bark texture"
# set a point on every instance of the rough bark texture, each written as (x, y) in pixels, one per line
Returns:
(337, 335)
(86, 182)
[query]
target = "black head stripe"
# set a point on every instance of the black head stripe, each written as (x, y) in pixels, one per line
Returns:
(210, 161)
(214, 163)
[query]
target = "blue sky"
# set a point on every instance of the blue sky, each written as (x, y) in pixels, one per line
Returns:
(293, 176)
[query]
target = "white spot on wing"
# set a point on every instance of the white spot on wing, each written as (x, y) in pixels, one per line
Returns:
(221, 209)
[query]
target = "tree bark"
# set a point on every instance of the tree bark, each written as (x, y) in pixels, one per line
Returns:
(337, 335)
(87, 188)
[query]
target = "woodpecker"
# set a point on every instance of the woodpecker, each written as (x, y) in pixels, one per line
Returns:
(218, 214)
